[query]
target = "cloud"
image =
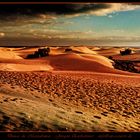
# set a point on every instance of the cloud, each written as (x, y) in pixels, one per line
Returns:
(114, 7)
(52, 33)
(47, 14)
(40, 20)
(69, 34)
(51, 11)
(118, 31)
(119, 38)
(24, 20)
(110, 16)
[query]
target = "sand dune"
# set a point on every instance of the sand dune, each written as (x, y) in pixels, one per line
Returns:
(109, 51)
(75, 62)
(136, 50)
(77, 90)
(61, 50)
(8, 54)
(57, 50)
(60, 62)
(84, 50)
(93, 48)
(23, 52)
(101, 59)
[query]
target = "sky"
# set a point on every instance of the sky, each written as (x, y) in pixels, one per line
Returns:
(92, 24)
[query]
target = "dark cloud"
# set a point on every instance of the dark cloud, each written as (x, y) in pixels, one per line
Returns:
(13, 11)
(50, 8)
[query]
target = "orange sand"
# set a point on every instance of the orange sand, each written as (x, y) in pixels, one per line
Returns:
(67, 91)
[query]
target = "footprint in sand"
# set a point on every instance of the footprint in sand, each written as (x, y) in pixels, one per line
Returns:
(98, 117)
(93, 121)
(6, 99)
(14, 99)
(111, 128)
(37, 96)
(10, 99)
(138, 124)
(126, 116)
(23, 100)
(50, 100)
(114, 122)
(113, 110)
(79, 112)
(104, 114)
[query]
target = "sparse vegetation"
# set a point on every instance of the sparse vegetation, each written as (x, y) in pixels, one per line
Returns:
(126, 52)
(68, 49)
(110, 57)
(42, 52)
(125, 66)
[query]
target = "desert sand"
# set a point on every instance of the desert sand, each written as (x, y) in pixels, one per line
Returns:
(78, 90)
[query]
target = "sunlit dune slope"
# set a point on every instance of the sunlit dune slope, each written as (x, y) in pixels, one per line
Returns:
(109, 51)
(100, 59)
(23, 67)
(23, 52)
(57, 50)
(8, 54)
(84, 50)
(10, 60)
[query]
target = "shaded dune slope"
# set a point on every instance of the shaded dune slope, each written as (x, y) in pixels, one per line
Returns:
(74, 62)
